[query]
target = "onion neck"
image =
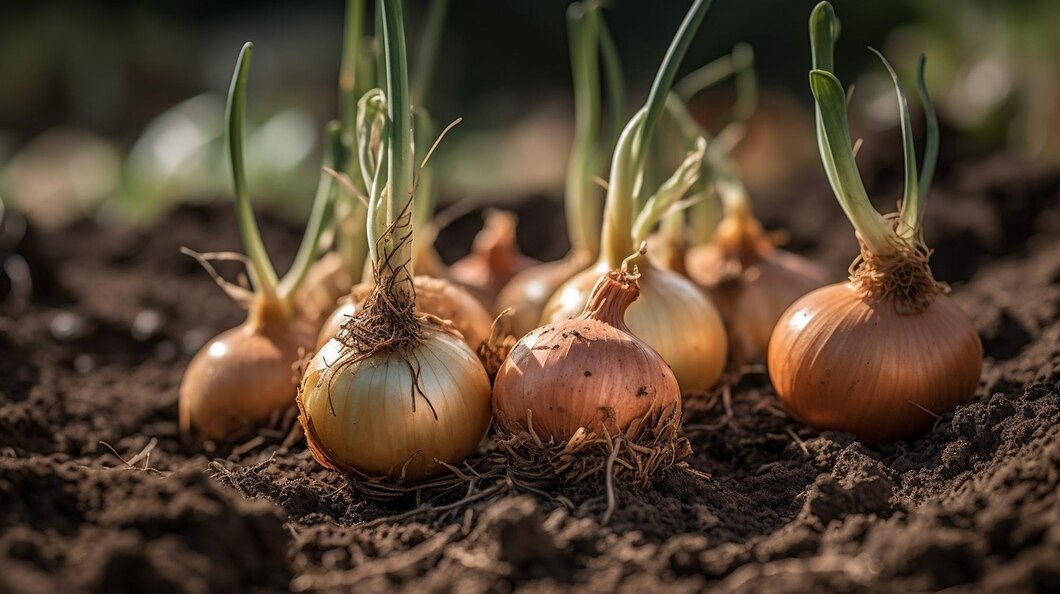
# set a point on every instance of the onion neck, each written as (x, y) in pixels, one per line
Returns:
(903, 279)
(740, 235)
(610, 298)
(266, 314)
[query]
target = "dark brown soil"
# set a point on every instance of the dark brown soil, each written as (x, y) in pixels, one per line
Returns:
(89, 374)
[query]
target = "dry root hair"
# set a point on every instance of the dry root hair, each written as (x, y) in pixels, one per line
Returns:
(905, 278)
(651, 445)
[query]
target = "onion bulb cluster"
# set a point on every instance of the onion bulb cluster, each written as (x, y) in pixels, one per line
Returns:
(589, 372)
(884, 354)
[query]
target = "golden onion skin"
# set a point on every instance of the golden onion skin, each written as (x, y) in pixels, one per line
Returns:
(439, 298)
(589, 372)
(526, 294)
(672, 315)
(360, 416)
(839, 362)
(755, 295)
(244, 374)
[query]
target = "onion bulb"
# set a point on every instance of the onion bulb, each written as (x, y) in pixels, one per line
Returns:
(840, 359)
(672, 316)
(590, 372)
(396, 415)
(495, 257)
(751, 281)
(395, 394)
(435, 297)
(244, 374)
(883, 355)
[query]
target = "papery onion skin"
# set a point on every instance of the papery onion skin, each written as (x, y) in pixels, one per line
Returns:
(439, 298)
(528, 292)
(360, 417)
(752, 283)
(672, 315)
(589, 372)
(244, 374)
(841, 362)
(754, 298)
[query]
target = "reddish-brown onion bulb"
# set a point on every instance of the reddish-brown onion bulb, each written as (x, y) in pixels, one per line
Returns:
(752, 282)
(840, 361)
(588, 372)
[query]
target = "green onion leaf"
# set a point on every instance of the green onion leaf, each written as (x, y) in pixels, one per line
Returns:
(911, 200)
(838, 159)
(263, 276)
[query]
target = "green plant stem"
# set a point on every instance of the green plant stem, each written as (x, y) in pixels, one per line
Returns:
(664, 79)
(627, 164)
(335, 152)
(842, 170)
(427, 54)
(583, 26)
(426, 195)
(398, 250)
(617, 240)
(911, 200)
(263, 275)
(833, 136)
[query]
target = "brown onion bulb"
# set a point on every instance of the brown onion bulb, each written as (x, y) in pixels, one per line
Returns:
(435, 297)
(494, 257)
(526, 294)
(244, 374)
(589, 372)
(672, 315)
(841, 362)
(384, 417)
(752, 282)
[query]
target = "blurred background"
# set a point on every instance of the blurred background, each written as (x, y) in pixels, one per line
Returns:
(114, 108)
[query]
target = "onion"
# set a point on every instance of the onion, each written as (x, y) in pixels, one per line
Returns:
(526, 293)
(587, 373)
(751, 281)
(885, 354)
(394, 394)
(245, 374)
(841, 361)
(435, 297)
(494, 257)
(376, 416)
(672, 316)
